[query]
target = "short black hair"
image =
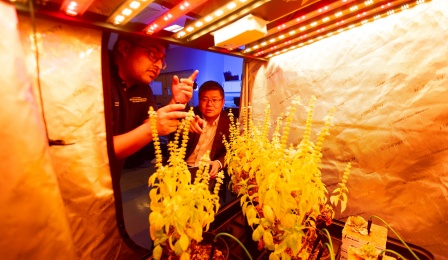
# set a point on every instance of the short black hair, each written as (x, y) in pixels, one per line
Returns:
(211, 85)
(139, 39)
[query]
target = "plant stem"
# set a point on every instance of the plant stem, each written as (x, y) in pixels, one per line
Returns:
(396, 234)
(329, 238)
(329, 244)
(330, 250)
(236, 239)
(393, 252)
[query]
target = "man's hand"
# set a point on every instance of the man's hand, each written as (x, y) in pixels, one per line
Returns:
(168, 118)
(214, 169)
(182, 89)
(197, 125)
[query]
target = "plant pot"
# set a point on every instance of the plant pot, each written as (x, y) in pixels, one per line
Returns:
(220, 244)
(206, 242)
(265, 256)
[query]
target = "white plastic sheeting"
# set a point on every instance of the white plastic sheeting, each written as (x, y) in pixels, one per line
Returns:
(388, 81)
(56, 201)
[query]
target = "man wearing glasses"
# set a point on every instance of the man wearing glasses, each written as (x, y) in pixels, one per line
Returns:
(209, 128)
(135, 62)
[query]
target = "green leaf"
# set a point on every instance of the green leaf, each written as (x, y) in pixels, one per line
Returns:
(153, 194)
(295, 243)
(251, 212)
(244, 207)
(184, 242)
(334, 200)
(343, 205)
(178, 248)
(268, 213)
(243, 199)
(191, 232)
(156, 220)
(288, 220)
(273, 256)
(152, 179)
(285, 256)
(160, 239)
(268, 241)
(244, 161)
(258, 233)
(185, 256)
(255, 195)
(281, 247)
(157, 252)
(264, 222)
(246, 167)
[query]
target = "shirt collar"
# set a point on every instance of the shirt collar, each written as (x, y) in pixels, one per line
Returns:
(216, 120)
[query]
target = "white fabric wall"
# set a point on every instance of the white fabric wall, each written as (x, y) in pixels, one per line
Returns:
(56, 201)
(30, 201)
(389, 83)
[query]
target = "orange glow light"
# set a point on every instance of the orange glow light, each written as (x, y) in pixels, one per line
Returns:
(75, 7)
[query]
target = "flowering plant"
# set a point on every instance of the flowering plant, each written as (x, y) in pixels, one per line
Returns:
(281, 191)
(180, 208)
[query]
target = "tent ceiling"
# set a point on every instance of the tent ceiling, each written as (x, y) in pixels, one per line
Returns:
(289, 23)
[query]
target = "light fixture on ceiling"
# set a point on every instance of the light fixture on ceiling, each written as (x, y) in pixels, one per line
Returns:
(172, 15)
(247, 29)
(174, 28)
(128, 10)
(213, 17)
(75, 7)
(212, 25)
(381, 11)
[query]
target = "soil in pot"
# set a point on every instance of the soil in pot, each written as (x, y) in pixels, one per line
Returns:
(201, 251)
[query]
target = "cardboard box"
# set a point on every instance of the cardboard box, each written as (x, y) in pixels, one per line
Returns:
(377, 238)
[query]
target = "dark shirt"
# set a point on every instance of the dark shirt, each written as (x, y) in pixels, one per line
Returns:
(130, 109)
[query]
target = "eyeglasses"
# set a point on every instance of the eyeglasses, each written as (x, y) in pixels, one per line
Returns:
(213, 101)
(152, 55)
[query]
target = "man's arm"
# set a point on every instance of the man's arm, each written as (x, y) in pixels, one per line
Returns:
(132, 141)
(166, 122)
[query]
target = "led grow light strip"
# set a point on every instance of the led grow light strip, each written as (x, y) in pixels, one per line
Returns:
(392, 9)
(212, 17)
(128, 10)
(303, 26)
(335, 27)
(172, 15)
(310, 15)
(75, 7)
